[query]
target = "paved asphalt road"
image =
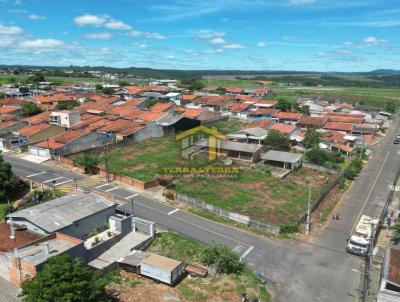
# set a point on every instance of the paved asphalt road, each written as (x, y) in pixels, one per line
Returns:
(316, 271)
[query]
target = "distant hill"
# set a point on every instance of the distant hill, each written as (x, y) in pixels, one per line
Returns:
(385, 71)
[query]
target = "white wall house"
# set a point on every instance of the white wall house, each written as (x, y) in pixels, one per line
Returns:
(65, 118)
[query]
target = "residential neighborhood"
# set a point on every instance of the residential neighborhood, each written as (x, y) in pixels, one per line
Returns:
(197, 151)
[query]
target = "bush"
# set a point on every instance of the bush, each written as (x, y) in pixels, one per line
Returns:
(222, 258)
(289, 228)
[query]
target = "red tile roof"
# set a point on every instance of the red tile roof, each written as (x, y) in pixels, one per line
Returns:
(8, 109)
(192, 112)
(248, 98)
(342, 147)
(132, 114)
(88, 120)
(96, 125)
(112, 126)
(283, 128)
(260, 91)
(7, 117)
(214, 100)
(189, 97)
(347, 119)
(121, 109)
(53, 98)
(30, 130)
(49, 144)
(12, 101)
(152, 116)
(312, 121)
(293, 116)
(239, 107)
(237, 90)
(264, 111)
(99, 109)
(62, 139)
(262, 123)
(161, 107)
(266, 103)
(338, 126)
(38, 118)
(6, 124)
(161, 89)
(345, 114)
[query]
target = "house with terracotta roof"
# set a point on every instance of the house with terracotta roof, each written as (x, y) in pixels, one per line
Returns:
(345, 127)
(10, 109)
(261, 123)
(240, 110)
(6, 128)
(234, 90)
(312, 122)
(12, 102)
(262, 91)
(203, 115)
(188, 98)
(348, 119)
(66, 143)
(344, 149)
(33, 134)
(265, 104)
(247, 99)
(163, 107)
(289, 117)
(287, 129)
(217, 103)
(263, 113)
(53, 99)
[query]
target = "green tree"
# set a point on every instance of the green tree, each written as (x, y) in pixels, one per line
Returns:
(8, 180)
(87, 161)
(151, 102)
(11, 80)
(390, 106)
(284, 104)
(108, 90)
(219, 90)
(23, 89)
(196, 85)
(305, 110)
(99, 87)
(123, 83)
(311, 138)
(36, 78)
(317, 156)
(65, 280)
(29, 109)
(222, 258)
(276, 140)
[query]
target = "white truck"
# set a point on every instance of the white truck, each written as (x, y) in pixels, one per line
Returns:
(360, 240)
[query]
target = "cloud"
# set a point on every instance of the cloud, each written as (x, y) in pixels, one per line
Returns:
(232, 46)
(18, 11)
(98, 36)
(117, 25)
(150, 35)
(300, 2)
(10, 30)
(41, 44)
(334, 53)
(217, 41)
(373, 41)
(36, 17)
(206, 34)
(89, 20)
(261, 44)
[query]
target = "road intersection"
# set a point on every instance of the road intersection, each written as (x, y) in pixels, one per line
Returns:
(320, 270)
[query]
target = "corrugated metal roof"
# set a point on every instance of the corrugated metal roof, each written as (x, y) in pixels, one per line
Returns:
(9, 292)
(61, 212)
(281, 156)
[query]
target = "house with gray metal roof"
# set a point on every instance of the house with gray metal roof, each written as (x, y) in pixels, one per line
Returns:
(249, 135)
(74, 215)
(287, 160)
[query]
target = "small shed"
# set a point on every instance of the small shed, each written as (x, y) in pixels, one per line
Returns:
(161, 268)
(288, 160)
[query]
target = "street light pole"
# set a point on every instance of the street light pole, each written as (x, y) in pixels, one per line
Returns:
(308, 227)
(105, 161)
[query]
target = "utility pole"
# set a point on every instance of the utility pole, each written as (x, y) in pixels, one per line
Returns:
(105, 161)
(308, 227)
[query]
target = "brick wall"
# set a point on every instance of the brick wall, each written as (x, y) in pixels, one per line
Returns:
(112, 176)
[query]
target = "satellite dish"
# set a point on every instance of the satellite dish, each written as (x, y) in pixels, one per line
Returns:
(227, 161)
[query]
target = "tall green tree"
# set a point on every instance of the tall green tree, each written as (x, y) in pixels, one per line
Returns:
(284, 104)
(276, 140)
(222, 258)
(30, 109)
(8, 180)
(65, 280)
(87, 161)
(311, 138)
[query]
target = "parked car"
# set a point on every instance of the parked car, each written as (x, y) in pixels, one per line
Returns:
(396, 141)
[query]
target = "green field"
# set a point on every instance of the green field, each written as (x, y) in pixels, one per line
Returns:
(58, 80)
(259, 195)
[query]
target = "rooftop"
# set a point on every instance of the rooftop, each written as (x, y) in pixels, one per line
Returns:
(30, 130)
(161, 261)
(283, 128)
(281, 156)
(56, 214)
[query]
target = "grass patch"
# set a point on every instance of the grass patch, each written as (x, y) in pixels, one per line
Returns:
(226, 287)
(4, 208)
(258, 195)
(228, 126)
